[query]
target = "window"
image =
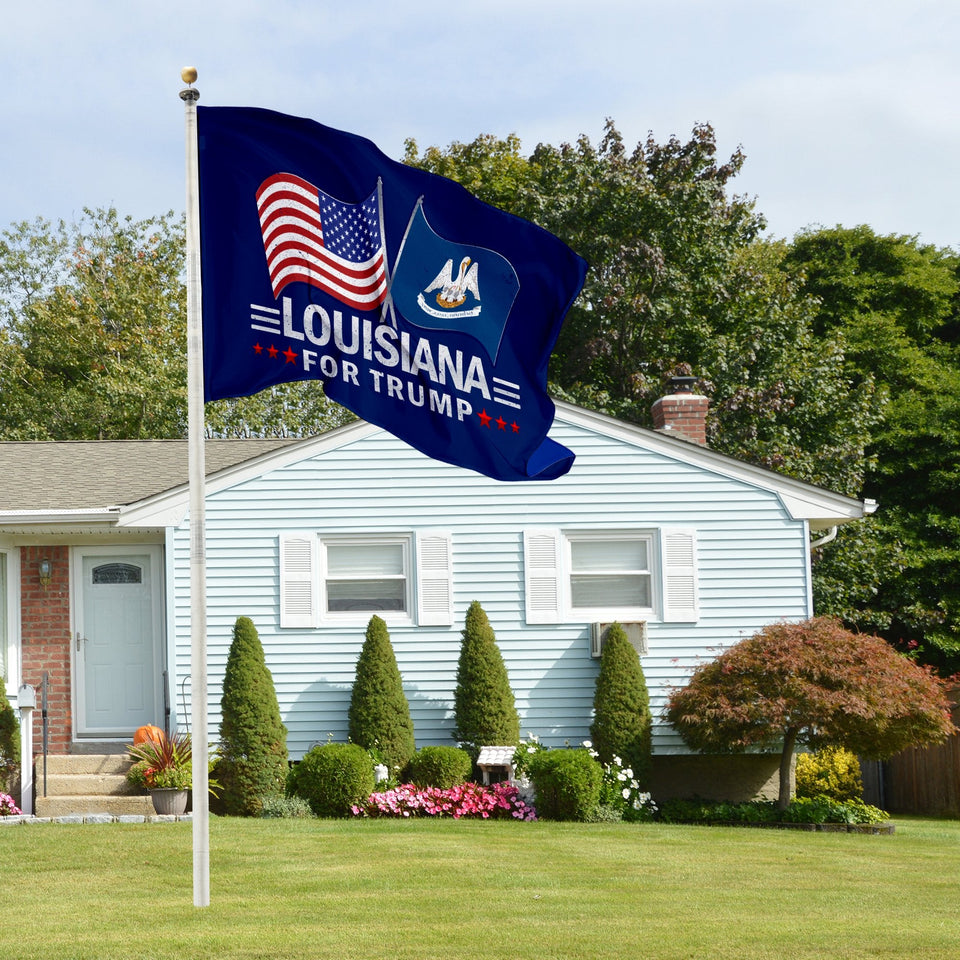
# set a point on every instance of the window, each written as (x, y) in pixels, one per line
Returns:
(343, 579)
(610, 573)
(595, 576)
(366, 576)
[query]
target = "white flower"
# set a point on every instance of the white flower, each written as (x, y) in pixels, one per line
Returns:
(626, 793)
(587, 744)
(531, 750)
(628, 772)
(621, 777)
(618, 761)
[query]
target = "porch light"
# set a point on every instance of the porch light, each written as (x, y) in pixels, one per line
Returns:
(45, 569)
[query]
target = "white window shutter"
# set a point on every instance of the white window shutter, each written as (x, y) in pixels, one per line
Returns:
(542, 571)
(299, 580)
(680, 587)
(434, 579)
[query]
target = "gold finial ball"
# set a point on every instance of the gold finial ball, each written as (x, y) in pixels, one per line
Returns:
(188, 74)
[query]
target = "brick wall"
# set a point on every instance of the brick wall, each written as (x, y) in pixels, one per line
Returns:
(45, 642)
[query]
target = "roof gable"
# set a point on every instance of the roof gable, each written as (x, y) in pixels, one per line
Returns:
(144, 482)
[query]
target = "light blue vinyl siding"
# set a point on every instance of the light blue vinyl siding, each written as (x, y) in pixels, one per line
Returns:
(752, 570)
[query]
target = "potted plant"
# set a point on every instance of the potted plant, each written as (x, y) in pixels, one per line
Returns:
(163, 765)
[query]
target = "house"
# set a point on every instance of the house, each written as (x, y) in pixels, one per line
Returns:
(692, 549)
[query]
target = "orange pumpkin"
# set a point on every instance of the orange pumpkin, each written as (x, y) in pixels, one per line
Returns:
(148, 732)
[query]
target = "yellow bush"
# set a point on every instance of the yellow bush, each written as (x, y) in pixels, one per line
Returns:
(830, 772)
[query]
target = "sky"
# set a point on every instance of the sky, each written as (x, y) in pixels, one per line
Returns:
(848, 111)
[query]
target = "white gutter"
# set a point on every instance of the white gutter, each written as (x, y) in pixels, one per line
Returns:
(86, 514)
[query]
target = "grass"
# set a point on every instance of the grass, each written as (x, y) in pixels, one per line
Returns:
(442, 889)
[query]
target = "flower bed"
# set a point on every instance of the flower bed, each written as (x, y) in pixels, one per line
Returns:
(7, 807)
(500, 801)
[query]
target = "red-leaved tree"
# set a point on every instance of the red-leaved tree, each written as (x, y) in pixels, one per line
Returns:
(813, 683)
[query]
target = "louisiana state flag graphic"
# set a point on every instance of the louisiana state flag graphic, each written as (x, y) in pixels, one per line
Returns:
(414, 304)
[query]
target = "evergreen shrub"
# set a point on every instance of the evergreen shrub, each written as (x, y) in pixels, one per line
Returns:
(484, 709)
(379, 715)
(252, 760)
(566, 784)
(9, 739)
(441, 767)
(831, 772)
(332, 778)
(622, 722)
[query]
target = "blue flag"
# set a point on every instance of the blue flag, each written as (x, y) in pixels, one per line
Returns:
(417, 306)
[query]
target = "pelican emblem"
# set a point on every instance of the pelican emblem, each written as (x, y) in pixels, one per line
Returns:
(453, 290)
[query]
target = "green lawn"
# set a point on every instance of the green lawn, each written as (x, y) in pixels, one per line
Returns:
(443, 889)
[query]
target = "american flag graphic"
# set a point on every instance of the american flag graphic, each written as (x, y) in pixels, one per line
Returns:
(312, 238)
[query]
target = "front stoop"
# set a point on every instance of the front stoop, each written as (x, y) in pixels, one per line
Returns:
(85, 784)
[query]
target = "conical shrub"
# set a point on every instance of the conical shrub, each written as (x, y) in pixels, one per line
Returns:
(621, 707)
(253, 739)
(379, 716)
(9, 741)
(485, 712)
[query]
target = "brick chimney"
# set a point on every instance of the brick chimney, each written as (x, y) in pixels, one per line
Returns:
(682, 413)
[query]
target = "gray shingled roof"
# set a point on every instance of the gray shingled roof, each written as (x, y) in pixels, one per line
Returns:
(92, 474)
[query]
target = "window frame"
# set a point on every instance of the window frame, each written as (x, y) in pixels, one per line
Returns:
(391, 617)
(650, 538)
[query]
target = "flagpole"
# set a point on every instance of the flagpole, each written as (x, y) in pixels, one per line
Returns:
(197, 483)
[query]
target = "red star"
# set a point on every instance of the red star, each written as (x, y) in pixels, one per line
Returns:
(257, 349)
(485, 418)
(273, 351)
(515, 426)
(501, 423)
(291, 355)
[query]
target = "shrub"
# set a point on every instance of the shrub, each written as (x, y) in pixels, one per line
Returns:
(620, 795)
(278, 807)
(9, 739)
(832, 772)
(253, 740)
(332, 778)
(621, 705)
(484, 710)
(816, 810)
(567, 784)
(379, 716)
(441, 767)
(526, 754)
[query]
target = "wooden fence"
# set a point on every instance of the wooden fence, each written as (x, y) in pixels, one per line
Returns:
(927, 781)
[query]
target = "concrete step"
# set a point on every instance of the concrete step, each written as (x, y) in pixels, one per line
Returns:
(85, 784)
(116, 806)
(89, 764)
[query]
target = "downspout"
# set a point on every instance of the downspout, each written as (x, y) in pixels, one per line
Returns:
(831, 534)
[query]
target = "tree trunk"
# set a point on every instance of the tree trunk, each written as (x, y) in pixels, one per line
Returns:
(786, 761)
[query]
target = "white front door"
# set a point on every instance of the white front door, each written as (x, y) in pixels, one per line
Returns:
(117, 639)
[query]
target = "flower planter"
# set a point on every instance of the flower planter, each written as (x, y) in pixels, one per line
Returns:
(170, 802)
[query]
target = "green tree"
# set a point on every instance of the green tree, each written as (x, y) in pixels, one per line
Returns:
(92, 344)
(93, 339)
(253, 739)
(678, 276)
(895, 304)
(621, 707)
(484, 710)
(379, 715)
(812, 683)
